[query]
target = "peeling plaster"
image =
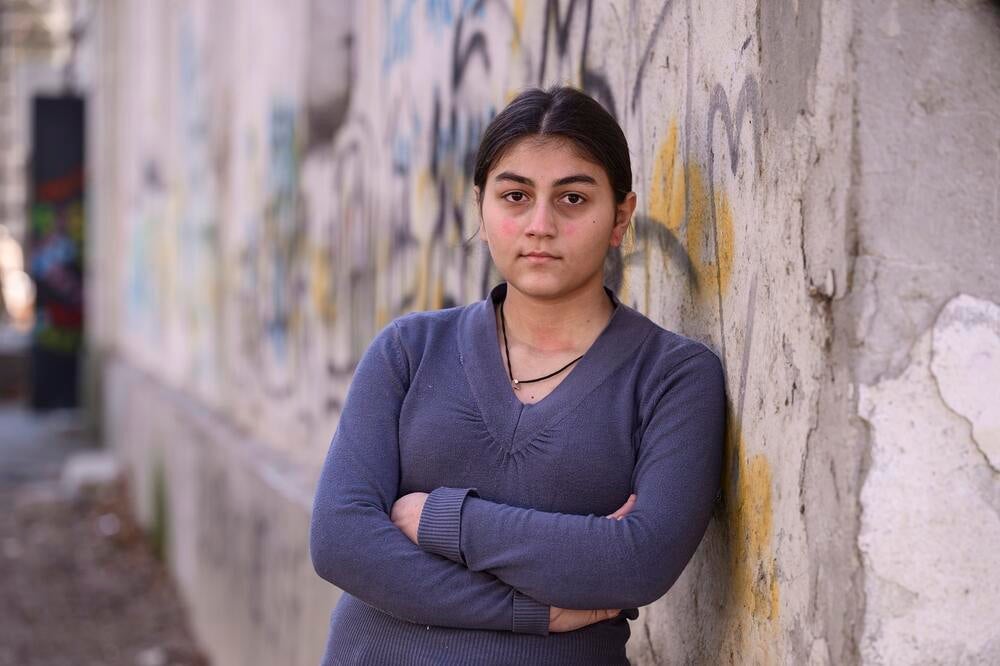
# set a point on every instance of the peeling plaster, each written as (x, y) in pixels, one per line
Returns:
(924, 560)
(965, 362)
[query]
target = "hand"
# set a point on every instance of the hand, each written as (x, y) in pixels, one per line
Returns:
(405, 513)
(624, 509)
(562, 619)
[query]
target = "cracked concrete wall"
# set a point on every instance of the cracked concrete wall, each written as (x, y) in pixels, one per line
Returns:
(923, 328)
(288, 175)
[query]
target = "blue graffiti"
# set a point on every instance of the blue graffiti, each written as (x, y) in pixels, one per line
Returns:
(441, 14)
(399, 39)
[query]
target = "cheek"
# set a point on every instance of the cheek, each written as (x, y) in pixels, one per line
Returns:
(588, 229)
(508, 227)
(585, 226)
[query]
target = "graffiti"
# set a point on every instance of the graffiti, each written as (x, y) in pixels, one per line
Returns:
(558, 25)
(355, 206)
(442, 13)
(748, 100)
(274, 263)
(399, 38)
(357, 213)
(56, 262)
(147, 281)
(648, 51)
(196, 198)
(754, 594)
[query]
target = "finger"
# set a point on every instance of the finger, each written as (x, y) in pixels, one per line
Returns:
(627, 507)
(619, 512)
(624, 509)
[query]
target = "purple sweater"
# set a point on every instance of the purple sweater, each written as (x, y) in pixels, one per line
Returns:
(514, 521)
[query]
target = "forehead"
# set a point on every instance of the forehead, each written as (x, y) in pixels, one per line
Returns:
(547, 158)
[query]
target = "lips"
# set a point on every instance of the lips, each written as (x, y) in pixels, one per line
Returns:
(539, 255)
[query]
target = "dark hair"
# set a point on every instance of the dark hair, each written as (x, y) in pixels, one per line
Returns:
(559, 112)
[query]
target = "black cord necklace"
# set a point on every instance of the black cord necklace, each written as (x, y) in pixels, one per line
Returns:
(516, 383)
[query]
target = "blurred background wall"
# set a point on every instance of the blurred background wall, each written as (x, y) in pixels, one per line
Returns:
(273, 181)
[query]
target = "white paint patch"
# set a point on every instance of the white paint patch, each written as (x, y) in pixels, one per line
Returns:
(966, 363)
(927, 527)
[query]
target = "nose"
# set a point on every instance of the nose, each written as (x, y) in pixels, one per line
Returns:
(541, 222)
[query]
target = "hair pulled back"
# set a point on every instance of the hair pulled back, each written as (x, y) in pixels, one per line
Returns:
(558, 112)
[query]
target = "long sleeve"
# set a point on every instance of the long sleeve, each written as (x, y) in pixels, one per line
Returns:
(355, 545)
(574, 561)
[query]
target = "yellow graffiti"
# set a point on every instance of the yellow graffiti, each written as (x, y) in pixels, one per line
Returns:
(423, 277)
(680, 200)
(321, 286)
(724, 229)
(518, 12)
(423, 201)
(437, 298)
(625, 290)
(666, 196)
(754, 594)
(713, 271)
(382, 252)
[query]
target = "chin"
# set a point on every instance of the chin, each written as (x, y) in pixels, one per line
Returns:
(544, 286)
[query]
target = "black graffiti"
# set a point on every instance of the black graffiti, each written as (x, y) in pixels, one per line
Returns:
(648, 231)
(460, 55)
(593, 82)
(748, 101)
(661, 20)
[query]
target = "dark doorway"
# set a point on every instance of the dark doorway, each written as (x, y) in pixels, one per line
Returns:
(55, 249)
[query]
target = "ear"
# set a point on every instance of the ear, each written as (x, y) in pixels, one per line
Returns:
(623, 216)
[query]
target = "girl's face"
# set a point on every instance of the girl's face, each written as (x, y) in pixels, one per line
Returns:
(549, 217)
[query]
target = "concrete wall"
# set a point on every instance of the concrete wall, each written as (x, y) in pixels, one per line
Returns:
(925, 328)
(284, 177)
(230, 518)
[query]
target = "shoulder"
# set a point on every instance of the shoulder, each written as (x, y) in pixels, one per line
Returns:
(677, 351)
(668, 361)
(423, 320)
(424, 334)
(666, 351)
(676, 379)
(415, 327)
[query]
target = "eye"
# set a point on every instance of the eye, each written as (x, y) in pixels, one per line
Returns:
(573, 198)
(515, 196)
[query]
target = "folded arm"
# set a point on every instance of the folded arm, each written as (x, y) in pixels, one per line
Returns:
(355, 545)
(574, 561)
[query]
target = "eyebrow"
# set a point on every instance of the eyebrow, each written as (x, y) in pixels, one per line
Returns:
(575, 178)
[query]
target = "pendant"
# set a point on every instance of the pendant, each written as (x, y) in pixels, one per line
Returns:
(517, 384)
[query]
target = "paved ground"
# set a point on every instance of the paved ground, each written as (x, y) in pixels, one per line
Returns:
(33, 447)
(79, 585)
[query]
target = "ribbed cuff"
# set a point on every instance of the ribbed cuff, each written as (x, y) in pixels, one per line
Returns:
(441, 522)
(530, 616)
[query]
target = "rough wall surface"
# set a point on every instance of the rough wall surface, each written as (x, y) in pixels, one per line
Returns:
(231, 519)
(289, 176)
(924, 331)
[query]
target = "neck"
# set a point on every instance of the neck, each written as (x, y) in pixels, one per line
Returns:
(564, 323)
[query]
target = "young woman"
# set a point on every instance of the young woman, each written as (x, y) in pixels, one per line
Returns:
(463, 507)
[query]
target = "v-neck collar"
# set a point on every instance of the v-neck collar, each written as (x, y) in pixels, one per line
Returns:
(512, 423)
